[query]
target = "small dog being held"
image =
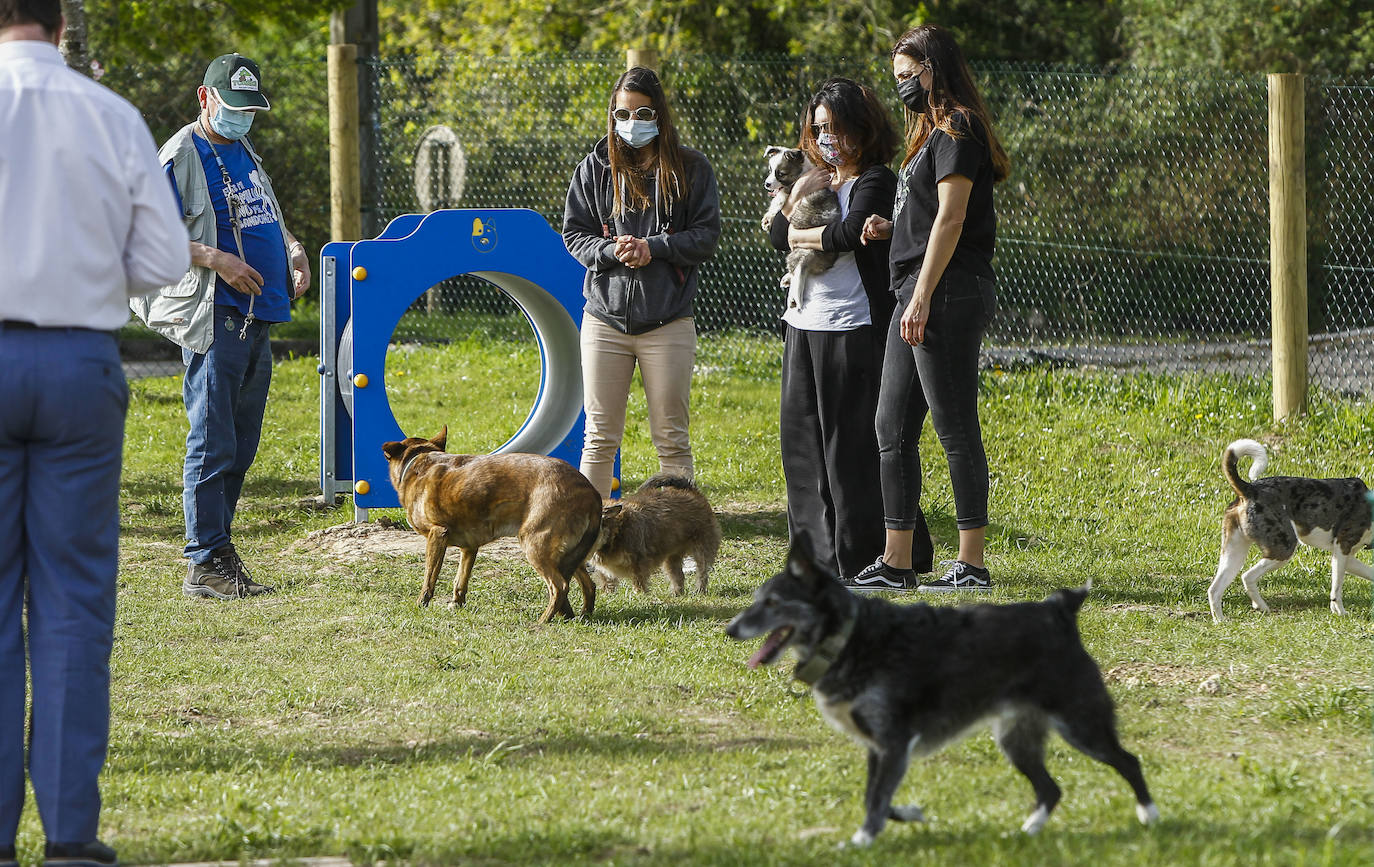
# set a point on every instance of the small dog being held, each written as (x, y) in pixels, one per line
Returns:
(1277, 513)
(819, 208)
(469, 500)
(904, 680)
(667, 519)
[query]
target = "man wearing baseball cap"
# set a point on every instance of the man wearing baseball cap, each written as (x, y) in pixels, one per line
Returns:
(246, 268)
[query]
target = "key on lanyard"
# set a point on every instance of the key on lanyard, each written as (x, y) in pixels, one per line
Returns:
(248, 319)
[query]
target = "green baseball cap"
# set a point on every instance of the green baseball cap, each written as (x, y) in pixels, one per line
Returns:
(236, 81)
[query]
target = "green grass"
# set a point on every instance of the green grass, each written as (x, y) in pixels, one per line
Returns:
(338, 718)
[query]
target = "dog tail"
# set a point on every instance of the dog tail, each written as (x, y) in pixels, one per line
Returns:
(1259, 457)
(668, 480)
(583, 548)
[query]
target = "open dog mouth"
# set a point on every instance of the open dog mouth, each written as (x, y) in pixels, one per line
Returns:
(774, 644)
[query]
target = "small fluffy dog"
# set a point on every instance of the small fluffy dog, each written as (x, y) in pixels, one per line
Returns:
(469, 500)
(904, 680)
(820, 208)
(1277, 513)
(657, 525)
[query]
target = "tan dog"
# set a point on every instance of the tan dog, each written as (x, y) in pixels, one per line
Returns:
(657, 525)
(468, 500)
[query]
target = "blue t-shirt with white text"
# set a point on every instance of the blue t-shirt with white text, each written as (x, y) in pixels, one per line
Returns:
(259, 227)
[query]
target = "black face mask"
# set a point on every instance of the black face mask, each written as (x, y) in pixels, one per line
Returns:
(912, 94)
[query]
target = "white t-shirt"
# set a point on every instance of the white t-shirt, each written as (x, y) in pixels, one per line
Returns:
(835, 299)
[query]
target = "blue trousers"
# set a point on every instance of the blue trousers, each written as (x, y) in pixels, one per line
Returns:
(225, 391)
(63, 400)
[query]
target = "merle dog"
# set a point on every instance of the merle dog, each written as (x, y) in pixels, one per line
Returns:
(1277, 513)
(905, 680)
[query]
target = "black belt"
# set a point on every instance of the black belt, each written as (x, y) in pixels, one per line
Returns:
(21, 325)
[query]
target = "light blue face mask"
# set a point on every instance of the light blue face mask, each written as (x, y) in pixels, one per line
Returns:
(231, 123)
(636, 133)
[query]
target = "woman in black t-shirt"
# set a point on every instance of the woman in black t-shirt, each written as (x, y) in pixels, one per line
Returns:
(942, 233)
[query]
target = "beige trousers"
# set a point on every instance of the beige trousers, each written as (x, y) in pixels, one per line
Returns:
(665, 356)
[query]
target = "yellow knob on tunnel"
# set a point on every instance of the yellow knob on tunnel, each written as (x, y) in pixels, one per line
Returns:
(360, 273)
(360, 380)
(361, 486)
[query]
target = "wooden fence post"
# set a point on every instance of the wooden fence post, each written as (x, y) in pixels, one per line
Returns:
(646, 57)
(345, 215)
(1288, 242)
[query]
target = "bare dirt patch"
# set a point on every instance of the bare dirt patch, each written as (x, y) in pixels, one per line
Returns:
(353, 542)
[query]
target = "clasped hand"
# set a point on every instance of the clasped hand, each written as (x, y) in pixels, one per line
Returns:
(631, 251)
(876, 229)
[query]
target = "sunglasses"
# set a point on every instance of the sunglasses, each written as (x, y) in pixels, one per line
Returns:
(818, 129)
(644, 112)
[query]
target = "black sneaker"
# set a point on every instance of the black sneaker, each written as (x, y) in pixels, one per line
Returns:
(250, 587)
(92, 854)
(961, 576)
(880, 576)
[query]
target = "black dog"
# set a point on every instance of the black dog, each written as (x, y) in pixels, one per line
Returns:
(905, 680)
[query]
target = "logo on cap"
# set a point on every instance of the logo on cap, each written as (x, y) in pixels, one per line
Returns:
(243, 79)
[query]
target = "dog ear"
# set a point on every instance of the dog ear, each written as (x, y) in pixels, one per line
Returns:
(772, 149)
(801, 561)
(393, 450)
(442, 439)
(611, 511)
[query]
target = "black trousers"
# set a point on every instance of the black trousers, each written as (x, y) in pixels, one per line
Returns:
(939, 378)
(829, 445)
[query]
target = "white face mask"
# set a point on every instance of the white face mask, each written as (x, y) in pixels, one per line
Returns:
(636, 133)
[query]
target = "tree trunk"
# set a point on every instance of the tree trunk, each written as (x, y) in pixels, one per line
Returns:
(74, 37)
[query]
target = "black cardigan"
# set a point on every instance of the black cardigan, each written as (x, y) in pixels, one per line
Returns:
(873, 193)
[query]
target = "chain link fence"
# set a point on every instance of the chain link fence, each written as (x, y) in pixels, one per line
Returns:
(1133, 230)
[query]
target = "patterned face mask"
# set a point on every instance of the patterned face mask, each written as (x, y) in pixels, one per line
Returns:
(829, 146)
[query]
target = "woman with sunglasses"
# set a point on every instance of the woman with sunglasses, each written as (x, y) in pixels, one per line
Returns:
(642, 215)
(833, 345)
(942, 233)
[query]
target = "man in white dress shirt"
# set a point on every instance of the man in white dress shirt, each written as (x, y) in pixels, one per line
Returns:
(86, 222)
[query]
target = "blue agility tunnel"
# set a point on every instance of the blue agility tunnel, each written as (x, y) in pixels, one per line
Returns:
(366, 286)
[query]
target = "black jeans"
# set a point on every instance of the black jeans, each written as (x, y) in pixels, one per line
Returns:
(939, 377)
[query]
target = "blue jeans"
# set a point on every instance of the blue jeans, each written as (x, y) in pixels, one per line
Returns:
(61, 444)
(225, 391)
(939, 377)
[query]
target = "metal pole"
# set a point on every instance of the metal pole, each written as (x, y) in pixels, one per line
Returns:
(1288, 242)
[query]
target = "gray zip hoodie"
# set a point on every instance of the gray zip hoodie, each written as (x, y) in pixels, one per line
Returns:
(681, 235)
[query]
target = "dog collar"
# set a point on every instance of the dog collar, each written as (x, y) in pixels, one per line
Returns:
(814, 667)
(406, 466)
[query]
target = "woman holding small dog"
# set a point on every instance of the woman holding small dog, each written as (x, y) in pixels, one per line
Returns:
(833, 349)
(642, 215)
(942, 233)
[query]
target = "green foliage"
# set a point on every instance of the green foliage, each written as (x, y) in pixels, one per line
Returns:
(154, 30)
(1323, 37)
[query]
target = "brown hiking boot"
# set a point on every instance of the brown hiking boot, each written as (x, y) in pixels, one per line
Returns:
(223, 576)
(251, 587)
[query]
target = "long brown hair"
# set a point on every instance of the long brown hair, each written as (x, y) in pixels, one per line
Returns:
(855, 113)
(627, 173)
(952, 92)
